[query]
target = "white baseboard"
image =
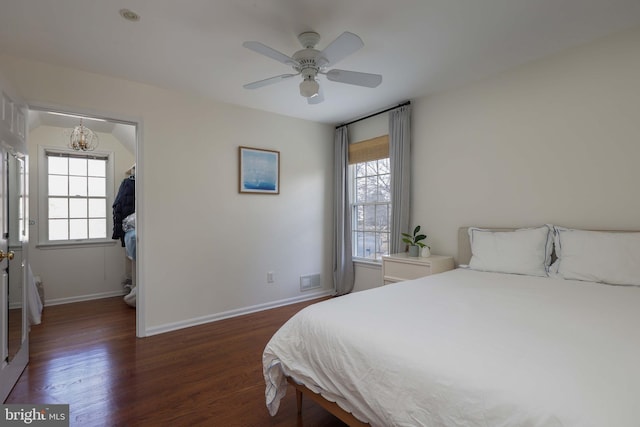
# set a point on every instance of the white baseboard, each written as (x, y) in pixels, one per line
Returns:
(234, 313)
(58, 301)
(198, 320)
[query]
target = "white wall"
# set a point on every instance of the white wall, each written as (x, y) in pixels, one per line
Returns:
(75, 273)
(204, 249)
(369, 128)
(554, 141)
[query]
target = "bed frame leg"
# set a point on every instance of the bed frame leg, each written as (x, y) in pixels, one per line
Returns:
(299, 401)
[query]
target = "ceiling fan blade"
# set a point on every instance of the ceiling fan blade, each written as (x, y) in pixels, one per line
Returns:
(270, 52)
(316, 99)
(344, 45)
(354, 78)
(267, 82)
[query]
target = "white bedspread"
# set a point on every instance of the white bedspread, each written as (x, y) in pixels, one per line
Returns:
(467, 348)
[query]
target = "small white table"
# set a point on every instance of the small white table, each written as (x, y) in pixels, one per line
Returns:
(399, 267)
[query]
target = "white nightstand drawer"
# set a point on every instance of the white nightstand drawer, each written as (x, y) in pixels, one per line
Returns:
(398, 267)
(403, 271)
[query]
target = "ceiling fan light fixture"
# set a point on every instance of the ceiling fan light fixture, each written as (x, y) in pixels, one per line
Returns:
(309, 88)
(309, 62)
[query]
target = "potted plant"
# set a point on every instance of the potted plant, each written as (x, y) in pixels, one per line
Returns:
(414, 241)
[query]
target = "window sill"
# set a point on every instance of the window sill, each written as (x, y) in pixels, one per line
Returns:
(76, 244)
(367, 262)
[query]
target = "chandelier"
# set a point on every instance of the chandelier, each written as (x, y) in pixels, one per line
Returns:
(82, 138)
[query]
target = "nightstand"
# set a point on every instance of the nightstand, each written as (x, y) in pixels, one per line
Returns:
(399, 267)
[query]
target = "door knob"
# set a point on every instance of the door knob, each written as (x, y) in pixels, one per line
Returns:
(9, 255)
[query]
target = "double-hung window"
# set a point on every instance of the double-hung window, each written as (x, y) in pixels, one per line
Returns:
(75, 197)
(371, 198)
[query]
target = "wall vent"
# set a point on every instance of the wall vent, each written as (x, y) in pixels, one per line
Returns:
(309, 281)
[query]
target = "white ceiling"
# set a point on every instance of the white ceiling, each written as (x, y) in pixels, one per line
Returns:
(419, 46)
(123, 132)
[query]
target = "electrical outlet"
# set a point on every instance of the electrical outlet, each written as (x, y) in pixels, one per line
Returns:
(271, 277)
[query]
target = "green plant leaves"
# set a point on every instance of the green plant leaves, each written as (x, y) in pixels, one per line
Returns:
(415, 239)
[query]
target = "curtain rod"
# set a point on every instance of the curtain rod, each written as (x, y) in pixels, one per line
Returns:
(374, 114)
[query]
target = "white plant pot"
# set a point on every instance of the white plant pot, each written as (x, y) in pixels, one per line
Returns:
(426, 252)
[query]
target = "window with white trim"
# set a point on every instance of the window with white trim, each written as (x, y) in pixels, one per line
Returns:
(75, 197)
(371, 198)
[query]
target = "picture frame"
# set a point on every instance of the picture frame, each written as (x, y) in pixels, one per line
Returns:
(258, 171)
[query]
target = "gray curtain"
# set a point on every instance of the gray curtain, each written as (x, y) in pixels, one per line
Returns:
(343, 274)
(400, 160)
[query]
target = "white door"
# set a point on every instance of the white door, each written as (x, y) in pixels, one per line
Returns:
(14, 331)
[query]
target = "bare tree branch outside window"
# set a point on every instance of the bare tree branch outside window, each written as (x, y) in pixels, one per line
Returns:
(371, 209)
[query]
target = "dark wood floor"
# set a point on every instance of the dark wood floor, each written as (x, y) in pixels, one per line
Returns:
(86, 355)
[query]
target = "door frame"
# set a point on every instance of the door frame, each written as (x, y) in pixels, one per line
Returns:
(139, 194)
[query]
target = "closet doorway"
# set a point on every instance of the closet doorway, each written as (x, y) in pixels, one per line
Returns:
(77, 245)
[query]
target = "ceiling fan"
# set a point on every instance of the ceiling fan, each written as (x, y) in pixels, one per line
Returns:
(310, 62)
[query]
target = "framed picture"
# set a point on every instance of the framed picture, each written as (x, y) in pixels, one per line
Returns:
(259, 171)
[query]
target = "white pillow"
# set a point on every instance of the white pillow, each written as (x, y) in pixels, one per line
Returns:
(598, 256)
(523, 251)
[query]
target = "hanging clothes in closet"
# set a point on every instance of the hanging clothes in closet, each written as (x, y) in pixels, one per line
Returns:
(123, 206)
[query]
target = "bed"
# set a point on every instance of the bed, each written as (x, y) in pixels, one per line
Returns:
(553, 340)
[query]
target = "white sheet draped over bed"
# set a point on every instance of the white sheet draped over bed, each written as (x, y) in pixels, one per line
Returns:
(469, 348)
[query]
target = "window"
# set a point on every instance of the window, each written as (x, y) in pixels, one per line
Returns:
(76, 197)
(371, 197)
